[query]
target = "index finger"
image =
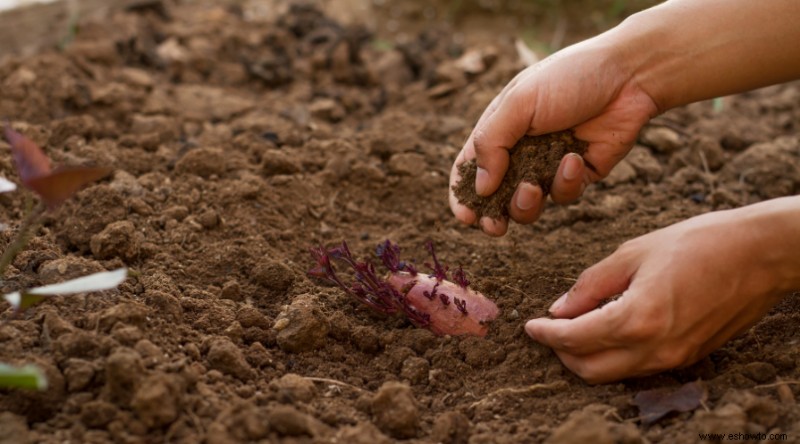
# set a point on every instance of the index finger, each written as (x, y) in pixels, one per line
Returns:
(467, 153)
(461, 212)
(590, 333)
(497, 134)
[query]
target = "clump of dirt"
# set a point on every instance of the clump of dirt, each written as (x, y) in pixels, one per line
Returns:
(534, 159)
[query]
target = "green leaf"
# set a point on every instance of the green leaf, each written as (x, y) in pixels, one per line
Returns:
(25, 377)
(105, 280)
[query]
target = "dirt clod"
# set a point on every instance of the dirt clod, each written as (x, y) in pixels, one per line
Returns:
(118, 239)
(395, 410)
(124, 372)
(203, 162)
(157, 401)
(362, 433)
(288, 421)
(302, 327)
(451, 428)
(78, 374)
(273, 276)
(415, 370)
(295, 388)
(15, 429)
(589, 425)
(761, 372)
(97, 414)
(225, 356)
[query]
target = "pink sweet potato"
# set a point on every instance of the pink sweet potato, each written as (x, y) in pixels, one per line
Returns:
(427, 300)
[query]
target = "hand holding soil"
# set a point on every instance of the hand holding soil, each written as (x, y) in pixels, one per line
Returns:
(604, 111)
(533, 160)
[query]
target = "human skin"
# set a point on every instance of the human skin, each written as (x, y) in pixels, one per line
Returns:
(605, 89)
(685, 290)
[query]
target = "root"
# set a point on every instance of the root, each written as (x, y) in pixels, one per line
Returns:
(337, 383)
(518, 391)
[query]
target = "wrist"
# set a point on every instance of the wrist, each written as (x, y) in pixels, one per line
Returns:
(646, 54)
(775, 231)
(683, 51)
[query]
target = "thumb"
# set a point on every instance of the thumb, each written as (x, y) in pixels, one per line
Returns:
(602, 281)
(497, 133)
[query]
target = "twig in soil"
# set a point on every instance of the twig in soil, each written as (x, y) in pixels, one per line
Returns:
(778, 384)
(674, 126)
(742, 178)
(336, 382)
(518, 391)
(704, 161)
(561, 31)
(708, 176)
(508, 287)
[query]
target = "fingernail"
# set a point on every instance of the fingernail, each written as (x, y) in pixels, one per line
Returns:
(529, 329)
(525, 198)
(572, 166)
(558, 303)
(481, 181)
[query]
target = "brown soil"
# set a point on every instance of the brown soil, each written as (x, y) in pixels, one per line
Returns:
(241, 141)
(534, 159)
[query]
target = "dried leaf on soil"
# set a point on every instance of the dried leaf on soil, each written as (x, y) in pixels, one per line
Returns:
(655, 404)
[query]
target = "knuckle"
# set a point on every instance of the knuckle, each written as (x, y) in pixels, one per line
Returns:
(585, 279)
(643, 327)
(667, 357)
(627, 249)
(637, 331)
(480, 141)
(563, 340)
(588, 373)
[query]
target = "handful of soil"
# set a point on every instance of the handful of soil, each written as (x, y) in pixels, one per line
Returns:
(534, 159)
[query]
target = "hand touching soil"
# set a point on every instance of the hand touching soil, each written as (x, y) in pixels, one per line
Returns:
(685, 290)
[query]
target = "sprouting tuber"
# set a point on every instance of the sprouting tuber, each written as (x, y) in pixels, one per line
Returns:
(428, 300)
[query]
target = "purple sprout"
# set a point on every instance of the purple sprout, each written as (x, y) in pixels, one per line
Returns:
(427, 300)
(439, 270)
(373, 291)
(460, 278)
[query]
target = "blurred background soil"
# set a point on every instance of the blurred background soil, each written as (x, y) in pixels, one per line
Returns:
(243, 133)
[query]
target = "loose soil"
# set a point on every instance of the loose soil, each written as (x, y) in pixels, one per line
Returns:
(239, 141)
(534, 159)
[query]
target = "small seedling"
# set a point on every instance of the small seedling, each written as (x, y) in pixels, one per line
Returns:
(53, 187)
(104, 280)
(428, 300)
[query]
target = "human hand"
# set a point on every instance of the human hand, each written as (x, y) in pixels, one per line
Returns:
(686, 289)
(585, 87)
